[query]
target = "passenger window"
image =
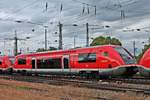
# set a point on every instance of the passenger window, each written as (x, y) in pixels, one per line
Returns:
(0, 62)
(105, 53)
(53, 63)
(21, 61)
(87, 57)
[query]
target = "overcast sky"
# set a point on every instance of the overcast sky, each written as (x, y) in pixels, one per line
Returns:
(136, 15)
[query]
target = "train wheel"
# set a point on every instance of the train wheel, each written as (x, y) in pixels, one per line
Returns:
(95, 75)
(28, 74)
(23, 72)
(130, 72)
(8, 71)
(36, 74)
(82, 74)
(1, 72)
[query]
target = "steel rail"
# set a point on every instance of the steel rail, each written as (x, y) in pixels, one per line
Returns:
(101, 85)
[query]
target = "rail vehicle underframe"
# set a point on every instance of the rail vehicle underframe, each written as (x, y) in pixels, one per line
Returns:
(144, 71)
(125, 70)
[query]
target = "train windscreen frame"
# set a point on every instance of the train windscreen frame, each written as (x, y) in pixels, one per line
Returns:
(125, 55)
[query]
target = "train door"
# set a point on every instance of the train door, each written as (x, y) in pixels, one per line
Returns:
(99, 59)
(66, 61)
(33, 63)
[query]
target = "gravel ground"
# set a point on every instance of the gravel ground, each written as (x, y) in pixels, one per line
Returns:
(14, 90)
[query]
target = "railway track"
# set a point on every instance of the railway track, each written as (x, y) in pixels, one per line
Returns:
(119, 85)
(143, 81)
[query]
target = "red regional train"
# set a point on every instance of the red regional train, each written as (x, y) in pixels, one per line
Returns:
(107, 60)
(144, 70)
(6, 63)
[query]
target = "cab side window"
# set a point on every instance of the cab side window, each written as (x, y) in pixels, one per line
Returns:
(21, 61)
(0, 62)
(87, 57)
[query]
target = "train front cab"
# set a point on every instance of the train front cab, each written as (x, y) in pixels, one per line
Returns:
(129, 63)
(6, 63)
(121, 62)
(144, 69)
(104, 61)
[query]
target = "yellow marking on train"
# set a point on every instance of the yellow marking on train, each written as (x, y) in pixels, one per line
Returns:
(104, 61)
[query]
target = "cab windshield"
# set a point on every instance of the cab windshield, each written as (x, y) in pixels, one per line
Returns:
(127, 58)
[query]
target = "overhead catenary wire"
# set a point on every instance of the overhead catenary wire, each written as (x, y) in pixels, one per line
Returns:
(84, 3)
(108, 8)
(83, 16)
(24, 7)
(88, 4)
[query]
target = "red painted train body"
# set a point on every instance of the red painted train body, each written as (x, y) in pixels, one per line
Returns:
(6, 63)
(145, 62)
(108, 60)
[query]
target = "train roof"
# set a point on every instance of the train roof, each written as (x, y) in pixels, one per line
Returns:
(69, 50)
(147, 53)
